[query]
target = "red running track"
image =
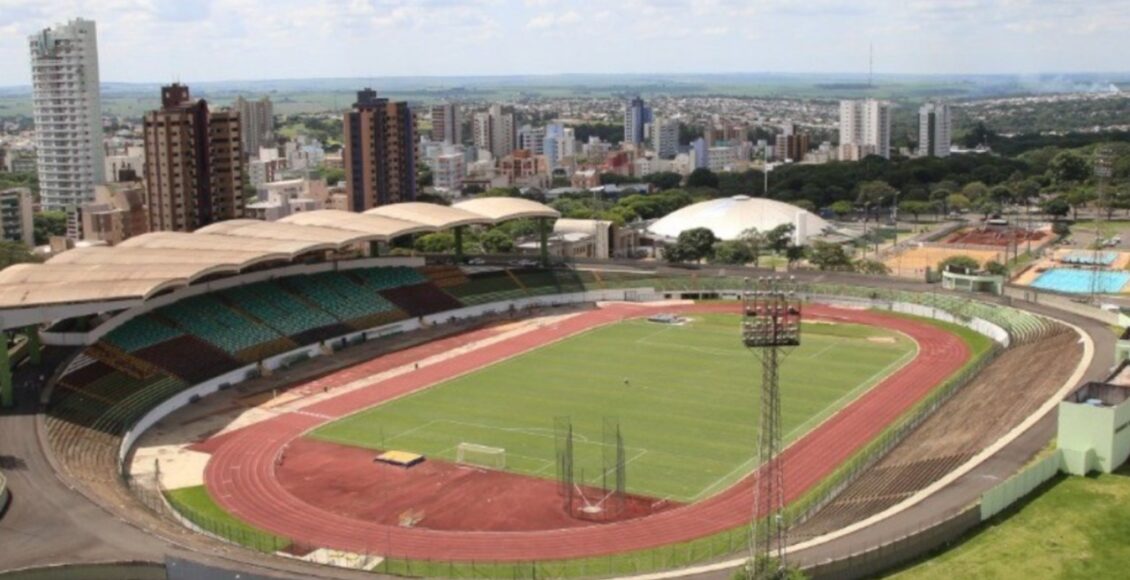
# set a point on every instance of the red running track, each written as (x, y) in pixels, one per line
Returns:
(241, 472)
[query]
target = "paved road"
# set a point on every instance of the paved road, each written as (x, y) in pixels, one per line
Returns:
(49, 523)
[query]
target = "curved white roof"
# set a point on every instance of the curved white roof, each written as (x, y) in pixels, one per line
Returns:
(729, 217)
(154, 262)
(501, 209)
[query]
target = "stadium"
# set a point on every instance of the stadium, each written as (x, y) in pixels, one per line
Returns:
(280, 398)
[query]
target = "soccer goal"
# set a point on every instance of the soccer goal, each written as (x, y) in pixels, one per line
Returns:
(480, 455)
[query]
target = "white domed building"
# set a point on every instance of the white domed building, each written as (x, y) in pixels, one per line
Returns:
(729, 217)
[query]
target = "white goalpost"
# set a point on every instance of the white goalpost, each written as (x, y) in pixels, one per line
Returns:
(480, 455)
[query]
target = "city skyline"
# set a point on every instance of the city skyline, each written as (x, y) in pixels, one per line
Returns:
(161, 41)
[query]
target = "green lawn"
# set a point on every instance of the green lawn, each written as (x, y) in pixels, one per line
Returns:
(196, 505)
(687, 414)
(1075, 527)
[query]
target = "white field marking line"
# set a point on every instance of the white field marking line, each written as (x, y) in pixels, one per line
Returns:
(822, 416)
(530, 431)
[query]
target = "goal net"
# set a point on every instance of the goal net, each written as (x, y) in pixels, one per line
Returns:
(480, 455)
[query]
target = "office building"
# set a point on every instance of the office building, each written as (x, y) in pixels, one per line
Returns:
(637, 116)
(865, 129)
(447, 124)
(791, 145)
(193, 163)
(379, 152)
(448, 171)
(256, 124)
(665, 138)
(67, 109)
(16, 221)
(934, 128)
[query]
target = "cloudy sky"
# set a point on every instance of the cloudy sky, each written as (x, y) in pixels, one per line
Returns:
(196, 40)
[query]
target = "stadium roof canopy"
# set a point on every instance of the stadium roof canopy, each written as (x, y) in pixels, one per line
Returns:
(148, 264)
(729, 217)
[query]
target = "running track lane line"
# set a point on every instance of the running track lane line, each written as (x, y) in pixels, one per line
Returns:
(240, 473)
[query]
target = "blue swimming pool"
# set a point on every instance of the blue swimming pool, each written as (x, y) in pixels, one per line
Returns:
(1074, 281)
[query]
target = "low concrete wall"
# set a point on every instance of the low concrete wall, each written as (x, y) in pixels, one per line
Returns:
(1018, 486)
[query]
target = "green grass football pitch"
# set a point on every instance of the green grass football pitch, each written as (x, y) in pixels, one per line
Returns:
(685, 398)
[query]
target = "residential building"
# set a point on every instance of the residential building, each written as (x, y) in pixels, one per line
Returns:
(523, 168)
(636, 116)
(722, 158)
(125, 165)
(448, 171)
(256, 124)
(193, 163)
(494, 131)
(67, 109)
(532, 139)
(791, 145)
(865, 129)
(665, 138)
(447, 124)
(23, 161)
(279, 199)
(379, 152)
(16, 220)
(934, 128)
(585, 179)
(116, 214)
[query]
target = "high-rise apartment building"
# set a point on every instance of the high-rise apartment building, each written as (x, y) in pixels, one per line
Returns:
(791, 145)
(256, 124)
(447, 124)
(193, 163)
(865, 129)
(636, 116)
(67, 109)
(495, 131)
(379, 152)
(665, 138)
(934, 127)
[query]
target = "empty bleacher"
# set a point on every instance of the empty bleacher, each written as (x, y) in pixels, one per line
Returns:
(277, 309)
(489, 286)
(207, 317)
(341, 296)
(140, 332)
(385, 278)
(421, 299)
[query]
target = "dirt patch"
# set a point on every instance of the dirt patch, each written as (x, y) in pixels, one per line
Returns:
(434, 494)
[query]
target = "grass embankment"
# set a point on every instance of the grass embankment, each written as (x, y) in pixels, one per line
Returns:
(1073, 527)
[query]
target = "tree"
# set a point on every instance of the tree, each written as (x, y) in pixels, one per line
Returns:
(872, 267)
(805, 204)
(958, 202)
(975, 190)
(996, 268)
(694, 245)
(436, 243)
(828, 256)
(663, 179)
(15, 253)
(734, 252)
(501, 192)
(795, 254)
(333, 175)
(496, 241)
(1067, 167)
(424, 176)
(778, 238)
(915, 208)
(842, 208)
(872, 194)
(48, 223)
(1078, 198)
(702, 177)
(959, 264)
(1056, 207)
(755, 241)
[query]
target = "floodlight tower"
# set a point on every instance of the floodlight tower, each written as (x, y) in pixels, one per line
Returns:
(771, 314)
(1102, 174)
